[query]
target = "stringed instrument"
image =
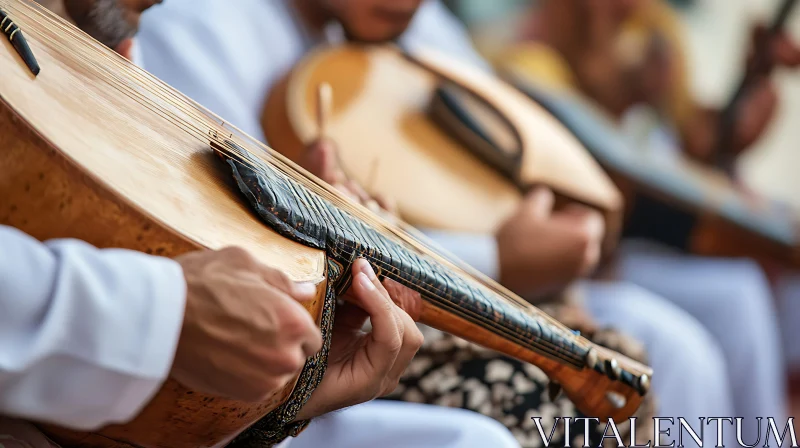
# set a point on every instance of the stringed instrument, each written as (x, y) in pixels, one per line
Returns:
(674, 200)
(455, 147)
(97, 149)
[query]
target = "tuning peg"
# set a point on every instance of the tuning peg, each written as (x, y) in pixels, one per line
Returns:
(616, 400)
(553, 390)
(591, 358)
(644, 384)
(612, 369)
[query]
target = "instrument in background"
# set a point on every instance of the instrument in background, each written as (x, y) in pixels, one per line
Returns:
(455, 147)
(677, 202)
(725, 160)
(97, 149)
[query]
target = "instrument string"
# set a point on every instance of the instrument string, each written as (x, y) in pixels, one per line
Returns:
(211, 129)
(536, 344)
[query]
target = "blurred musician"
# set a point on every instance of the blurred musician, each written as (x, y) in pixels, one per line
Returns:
(227, 57)
(590, 47)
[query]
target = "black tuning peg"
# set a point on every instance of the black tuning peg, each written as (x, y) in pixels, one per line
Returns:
(612, 369)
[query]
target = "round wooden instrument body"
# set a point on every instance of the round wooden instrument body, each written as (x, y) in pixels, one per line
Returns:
(83, 158)
(388, 143)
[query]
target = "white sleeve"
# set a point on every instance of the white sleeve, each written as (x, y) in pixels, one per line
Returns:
(224, 58)
(475, 249)
(87, 336)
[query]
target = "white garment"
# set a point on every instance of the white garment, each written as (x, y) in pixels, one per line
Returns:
(731, 298)
(391, 424)
(87, 336)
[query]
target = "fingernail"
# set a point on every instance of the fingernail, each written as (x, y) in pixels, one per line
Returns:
(305, 289)
(365, 281)
(367, 269)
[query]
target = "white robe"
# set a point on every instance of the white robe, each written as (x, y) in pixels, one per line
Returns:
(87, 336)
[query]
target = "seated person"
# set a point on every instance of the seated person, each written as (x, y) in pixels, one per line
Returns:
(581, 47)
(177, 42)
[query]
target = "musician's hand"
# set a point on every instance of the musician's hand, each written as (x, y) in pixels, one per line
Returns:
(760, 102)
(755, 112)
(363, 366)
(782, 51)
(244, 334)
(322, 160)
(542, 250)
(756, 108)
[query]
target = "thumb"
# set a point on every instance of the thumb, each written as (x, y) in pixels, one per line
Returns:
(538, 203)
(300, 291)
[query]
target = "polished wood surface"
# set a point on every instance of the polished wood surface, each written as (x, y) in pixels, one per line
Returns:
(389, 144)
(115, 174)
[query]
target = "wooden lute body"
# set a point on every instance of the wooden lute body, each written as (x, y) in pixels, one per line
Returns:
(391, 143)
(80, 159)
(97, 149)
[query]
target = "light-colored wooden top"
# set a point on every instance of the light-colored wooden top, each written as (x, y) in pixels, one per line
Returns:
(138, 138)
(389, 144)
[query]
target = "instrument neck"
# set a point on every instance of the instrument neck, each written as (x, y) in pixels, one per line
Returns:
(481, 315)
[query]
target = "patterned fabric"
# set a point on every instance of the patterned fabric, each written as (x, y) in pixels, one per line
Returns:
(449, 371)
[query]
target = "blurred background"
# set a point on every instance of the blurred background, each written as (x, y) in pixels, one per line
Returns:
(717, 36)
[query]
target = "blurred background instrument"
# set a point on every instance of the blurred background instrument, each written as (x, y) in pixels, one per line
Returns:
(455, 147)
(674, 200)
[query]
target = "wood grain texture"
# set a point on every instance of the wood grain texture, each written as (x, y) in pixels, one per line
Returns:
(83, 158)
